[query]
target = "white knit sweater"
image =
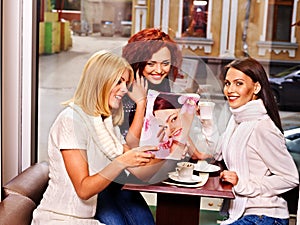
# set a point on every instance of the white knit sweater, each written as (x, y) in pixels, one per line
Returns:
(74, 130)
(255, 148)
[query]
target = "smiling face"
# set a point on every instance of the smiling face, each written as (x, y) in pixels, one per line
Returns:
(239, 88)
(171, 121)
(118, 92)
(158, 66)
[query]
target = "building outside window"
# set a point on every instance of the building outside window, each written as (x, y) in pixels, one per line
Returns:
(194, 21)
(279, 20)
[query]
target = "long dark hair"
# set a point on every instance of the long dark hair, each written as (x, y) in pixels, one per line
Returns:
(166, 101)
(144, 44)
(257, 73)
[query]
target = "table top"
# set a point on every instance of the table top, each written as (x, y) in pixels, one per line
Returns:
(214, 187)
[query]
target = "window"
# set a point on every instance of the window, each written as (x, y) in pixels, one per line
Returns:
(279, 20)
(67, 5)
(194, 20)
(194, 25)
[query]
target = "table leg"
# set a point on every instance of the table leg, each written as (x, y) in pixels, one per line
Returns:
(177, 209)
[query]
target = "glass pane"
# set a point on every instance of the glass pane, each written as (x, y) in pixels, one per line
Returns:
(270, 23)
(110, 26)
(194, 21)
(67, 5)
(61, 61)
(283, 25)
(279, 20)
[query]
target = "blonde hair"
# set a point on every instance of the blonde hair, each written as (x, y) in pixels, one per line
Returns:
(100, 75)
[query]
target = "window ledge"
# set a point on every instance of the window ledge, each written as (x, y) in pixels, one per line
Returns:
(194, 43)
(277, 48)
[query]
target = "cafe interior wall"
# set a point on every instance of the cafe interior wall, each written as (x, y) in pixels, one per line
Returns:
(275, 56)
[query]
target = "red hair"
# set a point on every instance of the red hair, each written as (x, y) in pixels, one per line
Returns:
(142, 45)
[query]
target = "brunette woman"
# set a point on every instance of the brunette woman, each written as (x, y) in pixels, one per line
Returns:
(253, 148)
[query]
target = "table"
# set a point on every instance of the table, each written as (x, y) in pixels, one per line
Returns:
(181, 205)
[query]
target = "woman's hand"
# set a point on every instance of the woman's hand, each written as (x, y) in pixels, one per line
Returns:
(139, 89)
(229, 176)
(139, 96)
(139, 156)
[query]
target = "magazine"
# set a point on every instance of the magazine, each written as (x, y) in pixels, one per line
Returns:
(167, 122)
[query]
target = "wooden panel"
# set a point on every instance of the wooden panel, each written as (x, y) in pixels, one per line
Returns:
(41, 37)
(48, 38)
(52, 37)
(50, 16)
(56, 36)
(65, 36)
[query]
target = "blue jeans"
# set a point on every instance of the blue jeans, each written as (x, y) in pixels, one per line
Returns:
(260, 220)
(122, 207)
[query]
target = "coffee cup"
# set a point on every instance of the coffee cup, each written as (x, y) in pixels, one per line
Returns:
(185, 170)
(206, 110)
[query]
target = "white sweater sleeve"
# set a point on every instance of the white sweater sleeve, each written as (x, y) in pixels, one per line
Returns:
(212, 137)
(272, 169)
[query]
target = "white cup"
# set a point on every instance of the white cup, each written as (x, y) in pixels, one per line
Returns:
(206, 110)
(185, 171)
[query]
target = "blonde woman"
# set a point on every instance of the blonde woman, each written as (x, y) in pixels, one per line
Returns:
(86, 150)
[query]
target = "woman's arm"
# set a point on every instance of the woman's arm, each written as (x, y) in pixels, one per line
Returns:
(87, 185)
(139, 96)
(135, 129)
(146, 172)
(154, 171)
(195, 153)
(282, 174)
(213, 139)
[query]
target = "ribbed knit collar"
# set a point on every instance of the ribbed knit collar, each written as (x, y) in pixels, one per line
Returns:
(252, 110)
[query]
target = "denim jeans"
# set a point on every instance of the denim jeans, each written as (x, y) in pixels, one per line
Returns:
(122, 207)
(260, 220)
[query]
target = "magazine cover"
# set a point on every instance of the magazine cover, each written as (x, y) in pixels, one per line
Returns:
(167, 122)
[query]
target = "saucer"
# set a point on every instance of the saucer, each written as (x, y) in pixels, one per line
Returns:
(194, 179)
(207, 168)
(204, 178)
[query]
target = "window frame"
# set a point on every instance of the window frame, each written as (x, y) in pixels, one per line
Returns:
(19, 99)
(195, 42)
(273, 9)
(265, 46)
(208, 27)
